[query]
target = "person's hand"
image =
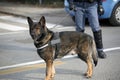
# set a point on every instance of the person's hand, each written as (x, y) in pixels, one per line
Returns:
(100, 10)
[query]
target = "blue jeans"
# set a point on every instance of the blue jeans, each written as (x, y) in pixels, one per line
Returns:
(84, 9)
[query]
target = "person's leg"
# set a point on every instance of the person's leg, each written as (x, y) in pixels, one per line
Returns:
(94, 23)
(79, 19)
(93, 18)
(99, 44)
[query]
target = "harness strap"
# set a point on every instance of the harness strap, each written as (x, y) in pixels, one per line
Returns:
(56, 41)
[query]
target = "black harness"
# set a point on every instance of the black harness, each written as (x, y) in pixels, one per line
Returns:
(55, 41)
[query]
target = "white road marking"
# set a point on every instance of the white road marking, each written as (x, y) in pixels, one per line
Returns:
(14, 19)
(11, 27)
(111, 49)
(23, 21)
(41, 61)
(21, 64)
(7, 33)
(19, 28)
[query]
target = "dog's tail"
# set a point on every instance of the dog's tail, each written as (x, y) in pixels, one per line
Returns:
(94, 53)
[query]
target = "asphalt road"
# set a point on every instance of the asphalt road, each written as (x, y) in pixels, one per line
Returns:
(19, 60)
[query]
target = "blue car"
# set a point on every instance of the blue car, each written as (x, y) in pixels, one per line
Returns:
(111, 7)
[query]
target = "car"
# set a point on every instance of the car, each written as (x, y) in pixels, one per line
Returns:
(111, 11)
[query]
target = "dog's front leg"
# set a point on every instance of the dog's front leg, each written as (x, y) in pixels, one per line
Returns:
(53, 70)
(49, 65)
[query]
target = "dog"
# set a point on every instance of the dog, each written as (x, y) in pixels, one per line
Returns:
(74, 42)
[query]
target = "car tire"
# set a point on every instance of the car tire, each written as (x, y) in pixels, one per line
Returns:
(115, 17)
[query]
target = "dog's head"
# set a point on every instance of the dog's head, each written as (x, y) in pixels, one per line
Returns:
(37, 29)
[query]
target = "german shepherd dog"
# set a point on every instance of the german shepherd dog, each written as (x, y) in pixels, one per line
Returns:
(69, 42)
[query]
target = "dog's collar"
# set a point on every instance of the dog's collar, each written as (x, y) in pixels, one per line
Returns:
(42, 46)
(52, 42)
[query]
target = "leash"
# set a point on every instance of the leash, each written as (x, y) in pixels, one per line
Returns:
(60, 21)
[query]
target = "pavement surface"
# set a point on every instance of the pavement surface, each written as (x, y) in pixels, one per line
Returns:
(18, 58)
(25, 10)
(35, 12)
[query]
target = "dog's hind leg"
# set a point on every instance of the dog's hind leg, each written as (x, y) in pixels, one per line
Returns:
(49, 65)
(90, 68)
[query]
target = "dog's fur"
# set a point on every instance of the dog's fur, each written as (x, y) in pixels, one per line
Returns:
(70, 41)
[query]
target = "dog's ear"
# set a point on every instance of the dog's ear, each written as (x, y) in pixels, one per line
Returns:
(30, 22)
(42, 21)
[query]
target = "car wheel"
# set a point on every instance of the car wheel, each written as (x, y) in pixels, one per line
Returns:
(115, 17)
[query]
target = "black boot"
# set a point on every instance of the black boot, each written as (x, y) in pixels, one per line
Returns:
(99, 44)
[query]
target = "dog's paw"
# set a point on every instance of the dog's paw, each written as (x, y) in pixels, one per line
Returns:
(52, 76)
(87, 75)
